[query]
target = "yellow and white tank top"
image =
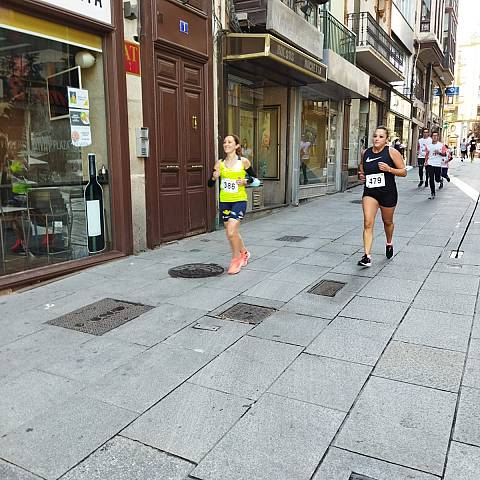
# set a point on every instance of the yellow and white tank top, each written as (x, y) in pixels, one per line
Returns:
(230, 191)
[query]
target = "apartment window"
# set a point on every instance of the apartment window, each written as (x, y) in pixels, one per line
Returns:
(478, 111)
(425, 15)
(407, 9)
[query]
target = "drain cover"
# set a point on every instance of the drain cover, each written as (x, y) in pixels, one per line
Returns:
(355, 201)
(327, 288)
(246, 313)
(291, 238)
(196, 270)
(356, 476)
(456, 254)
(100, 317)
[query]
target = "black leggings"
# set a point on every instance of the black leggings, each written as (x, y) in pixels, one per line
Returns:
(434, 174)
(421, 163)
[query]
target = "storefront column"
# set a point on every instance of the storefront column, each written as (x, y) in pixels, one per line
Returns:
(295, 127)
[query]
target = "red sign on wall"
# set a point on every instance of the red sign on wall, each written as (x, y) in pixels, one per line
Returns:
(132, 58)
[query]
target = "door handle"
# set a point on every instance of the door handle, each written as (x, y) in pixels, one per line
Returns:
(194, 122)
(171, 167)
(196, 166)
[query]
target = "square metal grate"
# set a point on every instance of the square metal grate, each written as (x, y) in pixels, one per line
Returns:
(291, 238)
(246, 313)
(100, 317)
(357, 476)
(327, 288)
(456, 254)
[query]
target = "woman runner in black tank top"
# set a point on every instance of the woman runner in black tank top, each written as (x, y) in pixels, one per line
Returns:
(378, 169)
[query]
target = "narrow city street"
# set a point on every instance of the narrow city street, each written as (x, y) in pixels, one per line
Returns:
(379, 382)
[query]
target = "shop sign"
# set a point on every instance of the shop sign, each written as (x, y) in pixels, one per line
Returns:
(437, 91)
(302, 61)
(452, 91)
(99, 10)
(132, 58)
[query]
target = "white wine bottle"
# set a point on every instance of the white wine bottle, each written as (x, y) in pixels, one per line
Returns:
(94, 210)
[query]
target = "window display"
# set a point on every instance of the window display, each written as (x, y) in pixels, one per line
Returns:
(52, 115)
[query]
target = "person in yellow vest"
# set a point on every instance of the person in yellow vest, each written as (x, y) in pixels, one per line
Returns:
(234, 173)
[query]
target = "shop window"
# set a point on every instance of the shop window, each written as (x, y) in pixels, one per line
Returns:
(313, 143)
(43, 175)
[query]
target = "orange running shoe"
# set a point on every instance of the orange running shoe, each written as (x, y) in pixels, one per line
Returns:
(235, 266)
(245, 257)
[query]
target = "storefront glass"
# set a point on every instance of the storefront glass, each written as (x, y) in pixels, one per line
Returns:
(43, 175)
(258, 115)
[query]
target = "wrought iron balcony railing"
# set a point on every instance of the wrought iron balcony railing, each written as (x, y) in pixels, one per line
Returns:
(370, 33)
(337, 37)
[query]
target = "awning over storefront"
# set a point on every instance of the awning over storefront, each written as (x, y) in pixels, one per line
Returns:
(266, 55)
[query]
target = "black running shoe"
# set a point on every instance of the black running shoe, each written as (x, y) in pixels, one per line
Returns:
(365, 261)
(420, 183)
(441, 186)
(389, 251)
(448, 179)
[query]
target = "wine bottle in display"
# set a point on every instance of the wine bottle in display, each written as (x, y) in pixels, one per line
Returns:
(94, 210)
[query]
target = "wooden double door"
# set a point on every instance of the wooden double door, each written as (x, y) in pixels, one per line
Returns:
(179, 184)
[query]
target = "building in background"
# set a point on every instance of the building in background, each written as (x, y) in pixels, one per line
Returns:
(289, 75)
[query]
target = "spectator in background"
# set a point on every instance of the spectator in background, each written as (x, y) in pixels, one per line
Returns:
(473, 148)
(463, 149)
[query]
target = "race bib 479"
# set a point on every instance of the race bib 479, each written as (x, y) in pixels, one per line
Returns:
(375, 180)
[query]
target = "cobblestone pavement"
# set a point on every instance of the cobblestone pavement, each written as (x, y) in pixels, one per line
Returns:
(382, 380)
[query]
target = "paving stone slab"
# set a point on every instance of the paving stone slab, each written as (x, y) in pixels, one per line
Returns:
(445, 302)
(209, 335)
(375, 310)
(467, 425)
(471, 377)
(323, 381)
(476, 326)
(290, 327)
(12, 472)
(352, 340)
(324, 259)
(156, 325)
(41, 348)
(203, 298)
(189, 421)
(300, 273)
(144, 380)
(238, 283)
(338, 247)
(270, 263)
(29, 394)
(474, 348)
(463, 462)
(54, 442)
(457, 268)
(435, 329)
(317, 305)
(404, 271)
(400, 423)
(277, 438)
(124, 459)
(260, 302)
(421, 365)
(92, 360)
(395, 289)
(275, 290)
(437, 240)
(452, 282)
(350, 266)
(340, 464)
(247, 368)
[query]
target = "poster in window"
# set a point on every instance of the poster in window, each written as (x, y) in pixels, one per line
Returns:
(268, 143)
(247, 135)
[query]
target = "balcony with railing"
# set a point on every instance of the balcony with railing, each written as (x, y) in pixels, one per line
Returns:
(293, 20)
(377, 52)
(337, 37)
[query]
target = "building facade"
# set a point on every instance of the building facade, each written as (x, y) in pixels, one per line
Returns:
(46, 136)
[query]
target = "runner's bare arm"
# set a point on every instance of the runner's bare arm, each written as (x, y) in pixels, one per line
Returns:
(399, 170)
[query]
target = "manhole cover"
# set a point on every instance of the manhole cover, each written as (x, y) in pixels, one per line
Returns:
(100, 317)
(357, 476)
(327, 288)
(246, 313)
(456, 254)
(291, 238)
(356, 201)
(196, 270)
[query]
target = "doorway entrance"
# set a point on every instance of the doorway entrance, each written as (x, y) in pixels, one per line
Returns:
(179, 169)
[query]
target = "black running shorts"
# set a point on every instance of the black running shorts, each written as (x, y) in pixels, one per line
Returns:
(384, 198)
